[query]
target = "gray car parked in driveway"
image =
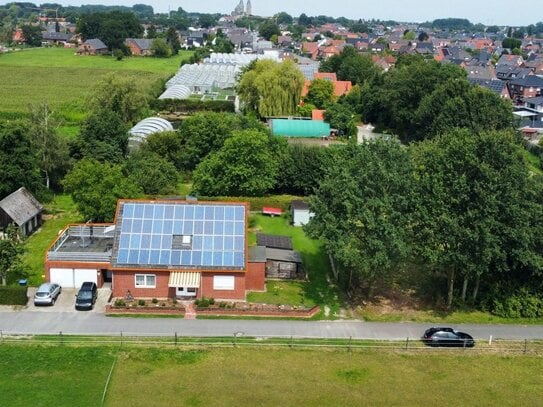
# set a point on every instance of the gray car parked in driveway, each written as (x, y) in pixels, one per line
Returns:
(47, 294)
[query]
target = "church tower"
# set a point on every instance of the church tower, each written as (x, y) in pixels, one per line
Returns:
(238, 11)
(249, 8)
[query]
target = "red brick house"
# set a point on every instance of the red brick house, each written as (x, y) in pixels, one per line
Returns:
(140, 46)
(310, 48)
(529, 86)
(93, 46)
(161, 249)
(340, 87)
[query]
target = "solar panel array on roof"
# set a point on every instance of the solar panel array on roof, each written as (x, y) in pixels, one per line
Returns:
(180, 234)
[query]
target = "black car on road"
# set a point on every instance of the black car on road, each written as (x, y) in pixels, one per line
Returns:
(86, 297)
(445, 336)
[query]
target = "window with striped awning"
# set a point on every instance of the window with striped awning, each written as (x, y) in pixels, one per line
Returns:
(184, 279)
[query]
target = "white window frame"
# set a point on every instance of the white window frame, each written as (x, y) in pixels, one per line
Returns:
(225, 283)
(146, 278)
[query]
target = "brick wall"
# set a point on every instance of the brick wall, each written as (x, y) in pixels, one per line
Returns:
(255, 277)
(206, 287)
(125, 280)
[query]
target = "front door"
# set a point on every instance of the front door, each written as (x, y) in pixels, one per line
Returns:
(185, 292)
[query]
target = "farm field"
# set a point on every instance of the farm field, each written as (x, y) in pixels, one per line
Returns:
(64, 80)
(63, 375)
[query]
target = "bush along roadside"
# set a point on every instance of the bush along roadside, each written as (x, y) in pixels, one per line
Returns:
(13, 295)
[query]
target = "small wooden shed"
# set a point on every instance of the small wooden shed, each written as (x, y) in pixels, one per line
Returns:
(300, 212)
(22, 209)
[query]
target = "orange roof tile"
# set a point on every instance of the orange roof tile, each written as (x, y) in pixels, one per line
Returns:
(317, 114)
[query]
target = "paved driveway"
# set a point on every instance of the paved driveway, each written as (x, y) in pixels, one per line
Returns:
(66, 301)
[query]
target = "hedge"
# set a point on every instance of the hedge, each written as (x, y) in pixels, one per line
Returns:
(192, 106)
(13, 295)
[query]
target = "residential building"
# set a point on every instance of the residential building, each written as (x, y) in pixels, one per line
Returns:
(161, 249)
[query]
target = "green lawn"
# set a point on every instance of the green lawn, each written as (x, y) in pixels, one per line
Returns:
(66, 376)
(53, 376)
(59, 213)
(64, 80)
(318, 289)
(533, 161)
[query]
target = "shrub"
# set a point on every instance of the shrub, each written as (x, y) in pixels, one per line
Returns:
(222, 304)
(119, 302)
(211, 301)
(197, 302)
(521, 304)
(13, 295)
(191, 105)
(163, 304)
(174, 301)
(203, 303)
(141, 302)
(154, 301)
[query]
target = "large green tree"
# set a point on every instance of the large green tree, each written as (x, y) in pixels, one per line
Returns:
(268, 29)
(360, 213)
(206, 132)
(113, 27)
(320, 93)
(52, 150)
(342, 117)
(475, 215)
(167, 144)
(95, 188)
(118, 94)
(303, 168)
(267, 88)
(32, 35)
(458, 104)
(152, 173)
(103, 136)
(11, 249)
(18, 161)
(391, 101)
(246, 165)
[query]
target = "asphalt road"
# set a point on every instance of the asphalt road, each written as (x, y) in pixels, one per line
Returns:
(94, 323)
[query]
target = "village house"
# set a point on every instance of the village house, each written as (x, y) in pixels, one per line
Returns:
(161, 249)
(140, 46)
(93, 46)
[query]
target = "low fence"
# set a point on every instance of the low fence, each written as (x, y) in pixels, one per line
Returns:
(238, 339)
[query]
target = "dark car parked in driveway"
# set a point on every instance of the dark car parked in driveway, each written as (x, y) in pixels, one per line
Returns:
(47, 294)
(445, 336)
(86, 297)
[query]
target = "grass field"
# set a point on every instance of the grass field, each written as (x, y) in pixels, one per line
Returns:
(64, 80)
(66, 376)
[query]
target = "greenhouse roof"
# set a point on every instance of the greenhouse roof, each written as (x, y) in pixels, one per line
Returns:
(300, 128)
(176, 92)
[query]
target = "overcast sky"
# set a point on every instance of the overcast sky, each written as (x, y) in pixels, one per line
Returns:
(489, 12)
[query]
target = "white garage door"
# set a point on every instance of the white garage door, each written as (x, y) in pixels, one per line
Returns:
(72, 278)
(82, 275)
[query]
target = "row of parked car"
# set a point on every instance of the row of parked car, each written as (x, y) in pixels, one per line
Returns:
(47, 294)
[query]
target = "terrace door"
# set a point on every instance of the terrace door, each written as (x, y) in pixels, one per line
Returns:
(185, 291)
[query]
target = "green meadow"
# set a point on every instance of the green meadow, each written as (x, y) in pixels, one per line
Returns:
(150, 376)
(64, 80)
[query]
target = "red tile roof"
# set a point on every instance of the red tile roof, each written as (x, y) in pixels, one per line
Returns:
(317, 114)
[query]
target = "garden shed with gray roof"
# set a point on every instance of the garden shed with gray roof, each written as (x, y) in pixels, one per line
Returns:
(21, 209)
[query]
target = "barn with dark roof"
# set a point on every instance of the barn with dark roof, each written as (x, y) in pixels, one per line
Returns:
(21, 209)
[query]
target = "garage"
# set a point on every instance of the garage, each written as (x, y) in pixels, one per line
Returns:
(72, 278)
